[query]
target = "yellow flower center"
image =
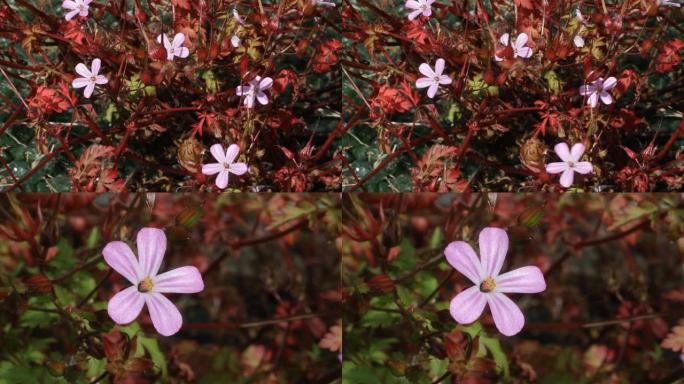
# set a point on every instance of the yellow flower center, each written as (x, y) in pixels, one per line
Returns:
(488, 285)
(145, 285)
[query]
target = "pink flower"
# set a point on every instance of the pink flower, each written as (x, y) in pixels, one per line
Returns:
(237, 17)
(148, 287)
(90, 77)
(432, 79)
(225, 164)
(175, 47)
(418, 7)
(76, 7)
(323, 3)
(570, 163)
(490, 286)
(519, 48)
(599, 88)
(580, 17)
(255, 89)
(667, 3)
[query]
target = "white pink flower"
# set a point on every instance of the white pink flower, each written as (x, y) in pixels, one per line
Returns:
(598, 89)
(419, 7)
(235, 41)
(570, 163)
(89, 78)
(149, 286)
(255, 90)
(76, 7)
(323, 3)
(432, 79)
(237, 17)
(518, 45)
(225, 164)
(173, 48)
(667, 3)
(491, 286)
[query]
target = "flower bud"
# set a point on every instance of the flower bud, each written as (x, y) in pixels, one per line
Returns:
(190, 154)
(532, 154)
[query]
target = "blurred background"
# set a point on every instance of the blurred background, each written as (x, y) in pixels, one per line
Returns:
(269, 312)
(610, 313)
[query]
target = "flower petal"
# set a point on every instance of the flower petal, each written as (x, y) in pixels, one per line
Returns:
(126, 305)
(120, 257)
(80, 82)
(151, 243)
(265, 83)
(182, 52)
(493, 248)
(556, 167)
(178, 40)
(426, 70)
(504, 38)
(179, 280)
(524, 52)
(567, 178)
(521, 40)
(70, 15)
(99, 79)
(414, 14)
(82, 70)
(606, 97)
(439, 67)
(583, 167)
(445, 80)
(238, 168)
(593, 100)
(412, 4)
(432, 91)
(69, 4)
(165, 316)
(522, 280)
(462, 257)
(222, 179)
(562, 151)
(212, 168)
(507, 316)
(609, 83)
(424, 82)
(89, 89)
(587, 90)
(576, 152)
(468, 305)
(217, 151)
(262, 98)
(95, 67)
(232, 153)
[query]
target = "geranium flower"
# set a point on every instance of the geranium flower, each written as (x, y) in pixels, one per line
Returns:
(418, 7)
(570, 163)
(519, 48)
(323, 3)
(148, 286)
(237, 17)
(667, 3)
(225, 164)
(579, 41)
(235, 41)
(89, 78)
(175, 47)
(76, 7)
(598, 88)
(255, 89)
(490, 286)
(433, 79)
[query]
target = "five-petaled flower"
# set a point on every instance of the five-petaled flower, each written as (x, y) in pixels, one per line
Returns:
(419, 7)
(490, 286)
(89, 78)
(432, 79)
(175, 47)
(225, 164)
(76, 7)
(148, 286)
(570, 163)
(255, 90)
(518, 45)
(599, 88)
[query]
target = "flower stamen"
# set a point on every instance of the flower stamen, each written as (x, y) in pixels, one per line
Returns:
(145, 285)
(488, 285)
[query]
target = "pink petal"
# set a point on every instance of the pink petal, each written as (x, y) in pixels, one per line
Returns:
(222, 179)
(99, 79)
(182, 52)
(414, 14)
(212, 168)
(521, 40)
(493, 248)
(423, 82)
(461, 256)
(95, 66)
(432, 91)
(126, 305)
(80, 82)
(412, 4)
(265, 83)
(262, 98)
(468, 305)
(445, 80)
(439, 67)
(232, 153)
(238, 168)
(89, 90)
(426, 70)
(522, 280)
(524, 52)
(504, 38)
(567, 178)
(82, 70)
(70, 15)
(587, 90)
(178, 40)
(609, 83)
(576, 152)
(119, 256)
(562, 151)
(179, 280)
(507, 316)
(151, 244)
(68, 4)
(606, 97)
(556, 167)
(217, 151)
(165, 316)
(593, 100)
(583, 167)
